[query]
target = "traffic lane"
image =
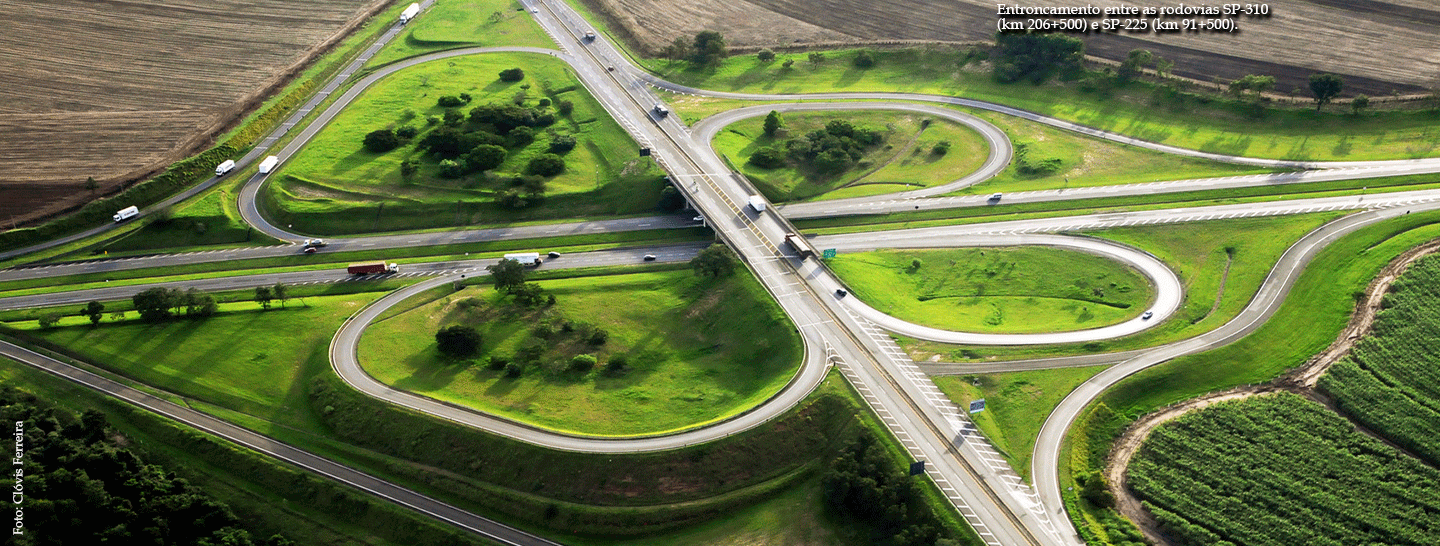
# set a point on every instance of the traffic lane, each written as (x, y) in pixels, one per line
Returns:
(1002, 366)
(628, 256)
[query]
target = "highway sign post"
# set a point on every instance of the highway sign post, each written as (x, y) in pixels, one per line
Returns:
(828, 253)
(977, 406)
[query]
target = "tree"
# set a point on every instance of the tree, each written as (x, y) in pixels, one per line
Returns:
(765, 55)
(1133, 65)
(717, 260)
(263, 296)
(773, 123)
(154, 304)
(458, 341)
(562, 144)
(381, 141)
(677, 50)
(48, 320)
(198, 304)
(564, 107)
(1325, 87)
(768, 157)
(528, 294)
(91, 184)
(816, 58)
(280, 293)
(1252, 84)
(95, 310)
(485, 157)
(512, 75)
(546, 165)
(408, 168)
(709, 48)
(1036, 57)
(507, 275)
(864, 59)
(941, 148)
(787, 64)
(1359, 103)
(583, 363)
(670, 199)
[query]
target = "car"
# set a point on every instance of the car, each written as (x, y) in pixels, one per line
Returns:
(649, 257)
(1147, 315)
(552, 255)
(609, 68)
(589, 36)
(311, 250)
(534, 10)
(315, 243)
(698, 219)
(840, 293)
(996, 196)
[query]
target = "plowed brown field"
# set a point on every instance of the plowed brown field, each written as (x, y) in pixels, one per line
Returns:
(1380, 46)
(115, 89)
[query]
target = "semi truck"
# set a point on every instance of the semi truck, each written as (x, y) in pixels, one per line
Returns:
(757, 203)
(269, 164)
(127, 213)
(226, 167)
(527, 259)
(410, 12)
(801, 247)
(371, 268)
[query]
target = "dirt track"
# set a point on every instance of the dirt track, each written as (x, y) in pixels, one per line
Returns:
(116, 89)
(1300, 380)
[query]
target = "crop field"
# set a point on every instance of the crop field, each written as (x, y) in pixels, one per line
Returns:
(334, 185)
(1281, 470)
(997, 290)
(1389, 382)
(1298, 38)
(696, 352)
(902, 161)
(114, 91)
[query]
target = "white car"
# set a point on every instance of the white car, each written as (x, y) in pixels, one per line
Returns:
(1147, 315)
(315, 243)
(996, 196)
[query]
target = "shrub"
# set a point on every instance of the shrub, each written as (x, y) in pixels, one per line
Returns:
(941, 148)
(562, 144)
(458, 341)
(765, 55)
(448, 101)
(564, 107)
(407, 132)
(617, 364)
(583, 363)
(497, 362)
(768, 157)
(546, 165)
(599, 337)
(864, 59)
(449, 168)
(514, 369)
(512, 75)
(381, 141)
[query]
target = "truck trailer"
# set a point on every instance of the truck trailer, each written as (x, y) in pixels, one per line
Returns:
(127, 213)
(801, 247)
(269, 164)
(410, 12)
(757, 203)
(224, 168)
(371, 268)
(527, 259)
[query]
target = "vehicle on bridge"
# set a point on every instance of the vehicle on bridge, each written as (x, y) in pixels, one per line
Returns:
(757, 203)
(801, 247)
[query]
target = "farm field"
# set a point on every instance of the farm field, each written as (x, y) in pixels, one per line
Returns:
(997, 290)
(1389, 383)
(902, 160)
(1281, 470)
(694, 352)
(103, 82)
(1290, 43)
(336, 186)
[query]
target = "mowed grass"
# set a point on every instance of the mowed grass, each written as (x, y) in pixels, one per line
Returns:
(997, 290)
(1016, 405)
(1197, 252)
(1141, 111)
(335, 186)
(243, 358)
(902, 162)
(698, 352)
(453, 24)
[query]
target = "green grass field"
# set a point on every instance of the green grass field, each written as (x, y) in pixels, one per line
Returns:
(335, 186)
(997, 290)
(1141, 110)
(697, 352)
(902, 162)
(206, 221)
(453, 24)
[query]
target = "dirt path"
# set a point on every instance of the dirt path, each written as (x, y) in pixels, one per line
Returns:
(1224, 279)
(1301, 381)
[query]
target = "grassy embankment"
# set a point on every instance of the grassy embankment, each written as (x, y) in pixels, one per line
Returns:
(997, 290)
(1143, 110)
(335, 186)
(453, 24)
(281, 385)
(1318, 307)
(681, 372)
(903, 161)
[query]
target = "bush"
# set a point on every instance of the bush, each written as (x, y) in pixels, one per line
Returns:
(449, 168)
(514, 369)
(546, 165)
(583, 363)
(48, 320)
(599, 337)
(768, 157)
(564, 107)
(864, 59)
(520, 137)
(407, 132)
(512, 75)
(941, 148)
(448, 101)
(617, 364)
(765, 55)
(381, 141)
(458, 341)
(562, 144)
(497, 362)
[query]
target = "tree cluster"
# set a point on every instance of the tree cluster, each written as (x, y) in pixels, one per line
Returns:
(81, 487)
(830, 150)
(716, 261)
(864, 484)
(157, 304)
(1036, 57)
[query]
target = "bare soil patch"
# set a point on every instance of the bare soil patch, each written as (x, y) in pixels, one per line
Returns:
(118, 89)
(1301, 381)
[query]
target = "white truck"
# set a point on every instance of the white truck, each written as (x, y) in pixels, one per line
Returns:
(224, 168)
(757, 203)
(410, 12)
(527, 259)
(269, 164)
(127, 213)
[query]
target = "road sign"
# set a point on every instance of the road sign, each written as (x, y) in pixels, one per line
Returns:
(829, 253)
(977, 406)
(917, 468)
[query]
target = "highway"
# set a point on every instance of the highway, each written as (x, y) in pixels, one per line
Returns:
(837, 331)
